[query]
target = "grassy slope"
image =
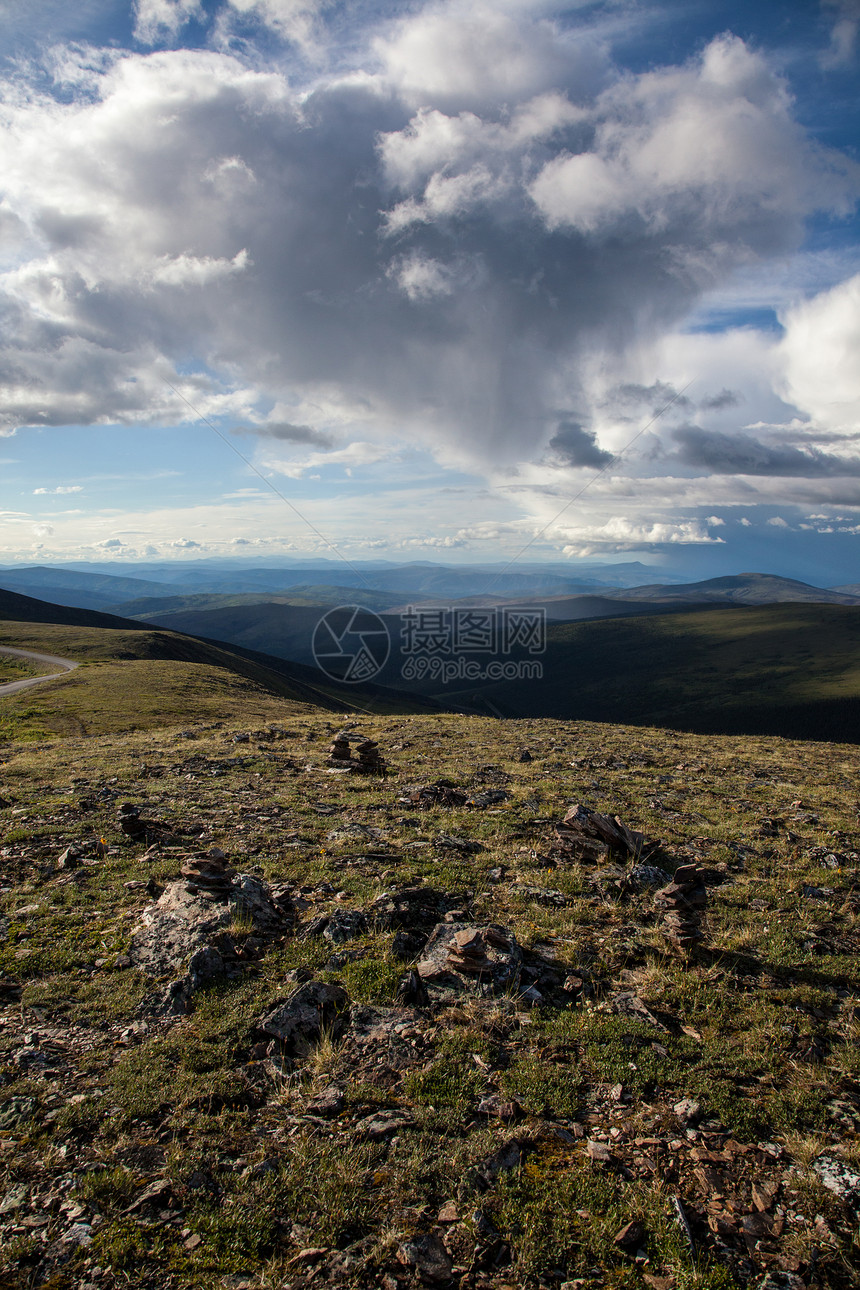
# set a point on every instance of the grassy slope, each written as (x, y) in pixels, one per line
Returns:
(759, 1026)
(130, 679)
(790, 670)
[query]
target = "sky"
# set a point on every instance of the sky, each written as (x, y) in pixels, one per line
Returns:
(451, 281)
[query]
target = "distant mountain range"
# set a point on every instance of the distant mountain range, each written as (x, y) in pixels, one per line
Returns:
(711, 666)
(94, 588)
(741, 589)
(125, 639)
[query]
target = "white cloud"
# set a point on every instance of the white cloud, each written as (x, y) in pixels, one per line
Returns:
(294, 20)
(843, 33)
(711, 146)
(821, 356)
(59, 490)
(463, 240)
(470, 55)
(156, 20)
(422, 278)
(354, 454)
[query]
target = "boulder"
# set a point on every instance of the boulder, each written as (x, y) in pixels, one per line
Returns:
(187, 918)
(300, 1021)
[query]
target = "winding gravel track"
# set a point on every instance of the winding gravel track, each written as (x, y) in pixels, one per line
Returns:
(12, 687)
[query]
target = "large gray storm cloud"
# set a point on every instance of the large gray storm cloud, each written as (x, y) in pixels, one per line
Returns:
(430, 231)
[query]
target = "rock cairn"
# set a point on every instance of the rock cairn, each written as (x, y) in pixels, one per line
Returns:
(684, 900)
(460, 958)
(468, 952)
(207, 876)
(369, 758)
(339, 753)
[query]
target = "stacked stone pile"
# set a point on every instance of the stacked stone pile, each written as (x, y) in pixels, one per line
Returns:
(684, 900)
(369, 757)
(458, 958)
(339, 753)
(207, 876)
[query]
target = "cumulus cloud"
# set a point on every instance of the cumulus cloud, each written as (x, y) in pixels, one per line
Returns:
(433, 237)
(819, 352)
(59, 490)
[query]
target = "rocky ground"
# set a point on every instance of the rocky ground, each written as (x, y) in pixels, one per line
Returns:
(535, 1004)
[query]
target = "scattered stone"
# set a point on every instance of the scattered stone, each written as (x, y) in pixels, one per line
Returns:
(684, 899)
(447, 843)
(141, 830)
(442, 793)
(459, 958)
(489, 797)
(156, 1195)
(630, 1236)
(381, 1124)
(412, 991)
(71, 858)
(544, 895)
(205, 966)
(837, 1177)
(345, 925)
(627, 1004)
(300, 1021)
(647, 875)
(498, 1108)
(428, 1256)
(415, 910)
(328, 1102)
(590, 836)
(509, 1156)
(680, 1216)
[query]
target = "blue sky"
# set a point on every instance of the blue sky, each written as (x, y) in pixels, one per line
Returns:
(453, 278)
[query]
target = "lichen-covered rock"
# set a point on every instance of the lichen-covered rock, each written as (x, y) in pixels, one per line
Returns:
(186, 919)
(345, 925)
(300, 1021)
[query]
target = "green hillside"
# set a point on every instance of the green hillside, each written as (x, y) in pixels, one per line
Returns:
(138, 678)
(791, 670)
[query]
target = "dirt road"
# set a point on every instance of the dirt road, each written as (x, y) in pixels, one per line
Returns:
(64, 664)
